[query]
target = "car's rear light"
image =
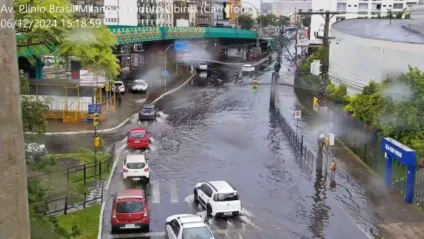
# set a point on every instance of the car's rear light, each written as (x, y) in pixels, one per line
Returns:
(114, 214)
(125, 170)
(146, 170)
(145, 213)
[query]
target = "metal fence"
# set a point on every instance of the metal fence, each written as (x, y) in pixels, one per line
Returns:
(79, 186)
(305, 158)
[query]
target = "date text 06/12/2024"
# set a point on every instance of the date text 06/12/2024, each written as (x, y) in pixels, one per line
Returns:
(49, 23)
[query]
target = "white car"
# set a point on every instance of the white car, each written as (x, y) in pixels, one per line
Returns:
(136, 168)
(187, 226)
(219, 198)
(203, 66)
(120, 86)
(139, 85)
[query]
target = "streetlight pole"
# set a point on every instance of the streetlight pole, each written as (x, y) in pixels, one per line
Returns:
(166, 62)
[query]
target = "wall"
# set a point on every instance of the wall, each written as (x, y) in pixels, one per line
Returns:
(355, 60)
(317, 21)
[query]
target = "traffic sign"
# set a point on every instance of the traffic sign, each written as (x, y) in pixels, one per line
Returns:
(181, 45)
(298, 114)
(165, 73)
(93, 109)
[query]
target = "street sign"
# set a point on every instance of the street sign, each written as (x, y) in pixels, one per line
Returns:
(298, 114)
(181, 45)
(93, 109)
(165, 73)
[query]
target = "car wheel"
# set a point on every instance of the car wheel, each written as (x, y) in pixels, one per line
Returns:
(195, 198)
(147, 228)
(113, 231)
(209, 210)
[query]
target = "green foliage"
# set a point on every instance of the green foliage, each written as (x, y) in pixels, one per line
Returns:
(93, 48)
(337, 94)
(399, 118)
(245, 21)
(283, 21)
(82, 224)
(267, 20)
(33, 111)
(306, 21)
(37, 193)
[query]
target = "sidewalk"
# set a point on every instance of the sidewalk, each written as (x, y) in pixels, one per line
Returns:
(130, 105)
(398, 219)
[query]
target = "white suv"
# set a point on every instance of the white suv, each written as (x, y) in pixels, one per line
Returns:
(119, 86)
(136, 168)
(218, 197)
(139, 85)
(188, 226)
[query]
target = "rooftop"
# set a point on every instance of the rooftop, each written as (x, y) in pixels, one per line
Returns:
(406, 31)
(136, 158)
(191, 219)
(222, 186)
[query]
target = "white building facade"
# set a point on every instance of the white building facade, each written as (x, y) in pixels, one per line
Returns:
(165, 13)
(359, 56)
(288, 8)
(123, 13)
(351, 9)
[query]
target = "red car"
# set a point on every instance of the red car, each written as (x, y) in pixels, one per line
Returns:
(130, 211)
(138, 139)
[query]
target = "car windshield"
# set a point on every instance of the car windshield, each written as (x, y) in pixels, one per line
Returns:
(222, 197)
(129, 207)
(137, 135)
(147, 109)
(139, 83)
(118, 84)
(135, 165)
(197, 233)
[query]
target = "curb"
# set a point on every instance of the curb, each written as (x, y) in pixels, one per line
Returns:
(109, 130)
(99, 235)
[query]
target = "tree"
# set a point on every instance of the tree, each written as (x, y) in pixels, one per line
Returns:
(306, 21)
(267, 20)
(283, 21)
(14, 198)
(92, 47)
(33, 111)
(245, 21)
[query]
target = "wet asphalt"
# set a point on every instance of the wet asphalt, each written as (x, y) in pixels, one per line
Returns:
(228, 133)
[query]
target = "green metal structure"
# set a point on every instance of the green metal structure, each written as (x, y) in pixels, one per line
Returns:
(130, 34)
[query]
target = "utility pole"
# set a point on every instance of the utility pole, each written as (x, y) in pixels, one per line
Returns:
(14, 216)
(297, 32)
(326, 52)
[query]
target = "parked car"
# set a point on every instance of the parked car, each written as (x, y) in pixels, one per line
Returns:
(219, 198)
(139, 85)
(136, 168)
(130, 211)
(138, 138)
(119, 86)
(148, 112)
(188, 226)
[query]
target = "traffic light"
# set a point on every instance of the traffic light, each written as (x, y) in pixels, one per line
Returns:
(254, 87)
(96, 141)
(96, 119)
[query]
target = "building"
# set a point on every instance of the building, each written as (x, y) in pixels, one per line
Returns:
(354, 9)
(181, 13)
(164, 13)
(203, 18)
(266, 7)
(358, 54)
(235, 11)
(288, 8)
(120, 13)
(219, 15)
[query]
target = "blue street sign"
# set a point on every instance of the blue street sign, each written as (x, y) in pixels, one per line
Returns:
(165, 73)
(181, 45)
(93, 109)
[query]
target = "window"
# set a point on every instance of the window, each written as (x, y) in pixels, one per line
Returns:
(129, 207)
(206, 190)
(135, 165)
(384, 5)
(363, 7)
(175, 226)
(137, 135)
(398, 6)
(349, 5)
(224, 197)
(197, 232)
(341, 6)
(340, 19)
(355, 5)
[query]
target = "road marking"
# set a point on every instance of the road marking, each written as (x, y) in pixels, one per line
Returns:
(174, 192)
(155, 191)
(159, 234)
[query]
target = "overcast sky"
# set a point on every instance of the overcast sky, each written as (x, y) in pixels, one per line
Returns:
(256, 3)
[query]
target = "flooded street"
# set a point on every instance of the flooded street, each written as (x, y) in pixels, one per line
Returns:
(228, 133)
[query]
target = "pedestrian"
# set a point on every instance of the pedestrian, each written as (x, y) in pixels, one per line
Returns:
(119, 99)
(333, 171)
